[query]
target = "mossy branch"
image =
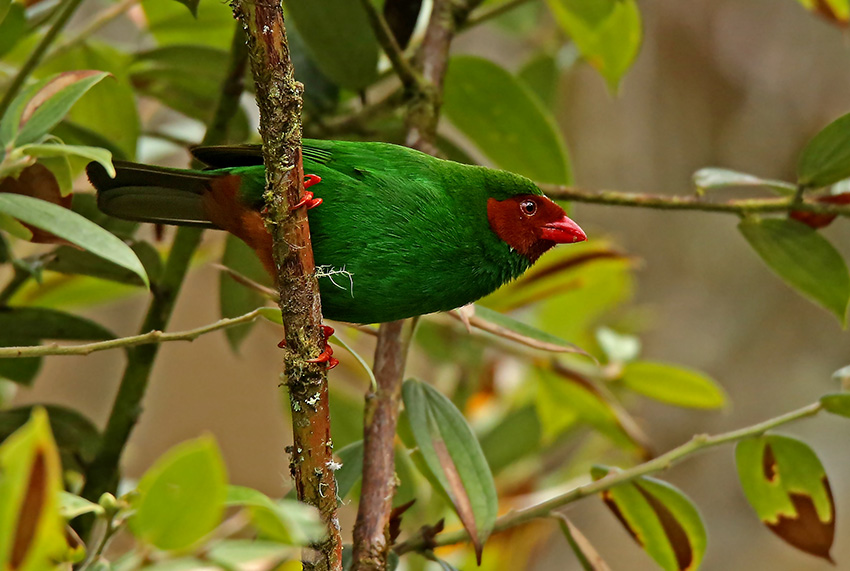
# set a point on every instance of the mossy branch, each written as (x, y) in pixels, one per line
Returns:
(279, 98)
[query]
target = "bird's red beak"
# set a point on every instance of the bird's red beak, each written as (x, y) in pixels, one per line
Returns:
(563, 231)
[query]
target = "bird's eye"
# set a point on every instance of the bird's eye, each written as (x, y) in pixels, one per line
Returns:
(528, 207)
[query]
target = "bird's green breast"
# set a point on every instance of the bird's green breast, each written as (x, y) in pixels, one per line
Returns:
(401, 234)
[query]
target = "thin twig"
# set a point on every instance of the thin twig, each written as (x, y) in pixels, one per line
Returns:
(95, 25)
(740, 207)
(371, 531)
(488, 14)
(125, 342)
(614, 478)
(35, 56)
(409, 76)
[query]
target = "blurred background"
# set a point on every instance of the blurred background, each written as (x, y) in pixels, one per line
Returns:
(741, 84)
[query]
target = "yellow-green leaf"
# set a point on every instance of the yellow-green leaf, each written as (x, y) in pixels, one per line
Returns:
(661, 519)
(181, 497)
(787, 486)
(31, 529)
(607, 32)
(673, 385)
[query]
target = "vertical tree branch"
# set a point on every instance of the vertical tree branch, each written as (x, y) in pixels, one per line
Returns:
(103, 473)
(371, 533)
(279, 100)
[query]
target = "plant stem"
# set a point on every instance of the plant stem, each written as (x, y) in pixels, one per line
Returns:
(614, 478)
(661, 202)
(95, 24)
(280, 102)
(36, 55)
(409, 76)
(489, 13)
(154, 336)
(19, 278)
(102, 474)
(371, 531)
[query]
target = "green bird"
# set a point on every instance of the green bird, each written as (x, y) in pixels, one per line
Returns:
(398, 233)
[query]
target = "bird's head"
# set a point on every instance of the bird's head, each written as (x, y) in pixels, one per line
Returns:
(531, 224)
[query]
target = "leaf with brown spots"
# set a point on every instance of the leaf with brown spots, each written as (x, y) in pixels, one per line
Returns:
(660, 518)
(37, 113)
(37, 181)
(452, 458)
(787, 486)
(835, 11)
(31, 530)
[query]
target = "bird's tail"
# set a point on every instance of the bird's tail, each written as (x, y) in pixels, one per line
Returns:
(147, 193)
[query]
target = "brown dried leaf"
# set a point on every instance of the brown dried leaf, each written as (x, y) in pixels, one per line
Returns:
(588, 557)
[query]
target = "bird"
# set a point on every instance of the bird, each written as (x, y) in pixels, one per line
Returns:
(395, 232)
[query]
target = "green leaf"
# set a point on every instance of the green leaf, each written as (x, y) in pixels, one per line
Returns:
(709, 178)
(454, 457)
(562, 401)
(13, 27)
(31, 529)
(660, 518)
(672, 384)
(607, 32)
(351, 471)
(96, 154)
(76, 437)
(838, 403)
(826, 159)
(541, 76)
(284, 521)
(505, 120)
(72, 505)
(339, 37)
(52, 102)
(192, 5)
(804, 260)
(69, 260)
(73, 228)
(516, 436)
(181, 497)
(234, 298)
(787, 486)
(171, 24)
(4, 9)
(109, 110)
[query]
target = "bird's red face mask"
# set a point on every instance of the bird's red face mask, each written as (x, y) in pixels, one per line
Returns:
(532, 224)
